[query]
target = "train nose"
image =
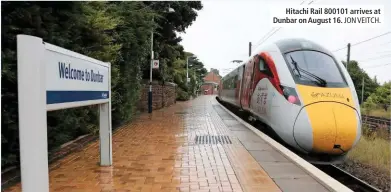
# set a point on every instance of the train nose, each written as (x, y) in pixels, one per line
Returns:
(335, 128)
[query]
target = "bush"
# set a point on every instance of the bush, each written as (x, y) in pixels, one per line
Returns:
(113, 32)
(89, 28)
(182, 95)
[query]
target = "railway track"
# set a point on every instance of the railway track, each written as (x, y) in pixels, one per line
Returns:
(339, 174)
(374, 118)
(347, 179)
(375, 122)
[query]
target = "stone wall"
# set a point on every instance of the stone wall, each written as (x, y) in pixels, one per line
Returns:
(162, 96)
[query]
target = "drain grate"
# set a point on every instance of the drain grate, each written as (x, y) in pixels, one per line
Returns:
(212, 139)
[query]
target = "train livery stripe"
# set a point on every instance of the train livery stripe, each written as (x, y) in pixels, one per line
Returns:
(332, 117)
(276, 80)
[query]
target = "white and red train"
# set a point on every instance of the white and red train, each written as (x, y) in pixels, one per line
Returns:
(301, 91)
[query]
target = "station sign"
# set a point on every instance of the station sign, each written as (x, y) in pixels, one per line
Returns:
(53, 78)
(73, 79)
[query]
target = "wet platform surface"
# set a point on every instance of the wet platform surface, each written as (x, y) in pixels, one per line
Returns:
(191, 146)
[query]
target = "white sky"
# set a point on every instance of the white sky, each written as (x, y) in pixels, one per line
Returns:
(223, 29)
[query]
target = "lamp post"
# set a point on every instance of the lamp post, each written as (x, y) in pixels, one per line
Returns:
(197, 77)
(170, 10)
(187, 69)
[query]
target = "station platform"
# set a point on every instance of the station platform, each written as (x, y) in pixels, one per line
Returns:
(191, 146)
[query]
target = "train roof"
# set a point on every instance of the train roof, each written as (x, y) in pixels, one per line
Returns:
(286, 45)
(294, 44)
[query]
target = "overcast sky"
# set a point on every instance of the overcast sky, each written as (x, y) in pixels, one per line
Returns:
(223, 29)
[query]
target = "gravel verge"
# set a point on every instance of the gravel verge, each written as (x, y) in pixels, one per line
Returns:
(373, 176)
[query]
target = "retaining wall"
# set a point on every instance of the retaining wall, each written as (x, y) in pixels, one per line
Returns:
(162, 95)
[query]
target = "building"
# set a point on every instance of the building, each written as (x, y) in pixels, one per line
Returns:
(216, 71)
(211, 81)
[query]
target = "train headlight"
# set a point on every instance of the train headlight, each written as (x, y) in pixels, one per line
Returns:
(290, 95)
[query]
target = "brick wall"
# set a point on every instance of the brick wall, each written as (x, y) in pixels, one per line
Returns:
(212, 77)
(208, 88)
(162, 96)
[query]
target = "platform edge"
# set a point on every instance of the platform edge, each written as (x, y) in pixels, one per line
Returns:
(327, 181)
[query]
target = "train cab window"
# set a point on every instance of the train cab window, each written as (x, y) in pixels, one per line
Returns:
(315, 68)
(264, 68)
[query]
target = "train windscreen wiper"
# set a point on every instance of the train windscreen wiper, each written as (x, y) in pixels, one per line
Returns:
(319, 80)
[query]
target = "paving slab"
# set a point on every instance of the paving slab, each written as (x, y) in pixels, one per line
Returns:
(287, 175)
(162, 152)
(259, 146)
(234, 124)
(283, 170)
(305, 184)
(268, 156)
(247, 136)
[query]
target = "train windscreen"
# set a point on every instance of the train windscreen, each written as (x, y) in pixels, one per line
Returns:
(315, 68)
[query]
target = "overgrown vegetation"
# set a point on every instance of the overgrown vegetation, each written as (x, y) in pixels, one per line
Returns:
(378, 103)
(358, 74)
(373, 149)
(376, 111)
(115, 32)
(376, 97)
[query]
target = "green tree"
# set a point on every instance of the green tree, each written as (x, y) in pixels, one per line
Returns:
(357, 74)
(166, 41)
(83, 27)
(196, 72)
(381, 96)
(132, 32)
(115, 32)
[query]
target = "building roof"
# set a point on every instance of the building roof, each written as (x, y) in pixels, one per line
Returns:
(210, 82)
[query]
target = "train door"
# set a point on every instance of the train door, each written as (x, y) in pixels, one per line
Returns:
(247, 85)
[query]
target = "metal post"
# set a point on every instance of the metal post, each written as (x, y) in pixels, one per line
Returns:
(195, 82)
(348, 57)
(32, 114)
(362, 91)
(187, 71)
(150, 75)
(249, 48)
(105, 130)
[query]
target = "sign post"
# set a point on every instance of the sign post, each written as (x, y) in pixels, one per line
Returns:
(52, 78)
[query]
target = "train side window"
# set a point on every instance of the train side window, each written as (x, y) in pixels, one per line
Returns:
(264, 68)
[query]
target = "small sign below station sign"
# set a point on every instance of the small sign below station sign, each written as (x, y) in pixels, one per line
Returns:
(155, 64)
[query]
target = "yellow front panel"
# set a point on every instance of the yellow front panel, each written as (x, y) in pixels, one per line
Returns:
(311, 94)
(346, 126)
(332, 119)
(323, 126)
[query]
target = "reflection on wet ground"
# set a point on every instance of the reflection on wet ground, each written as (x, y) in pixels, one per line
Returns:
(158, 152)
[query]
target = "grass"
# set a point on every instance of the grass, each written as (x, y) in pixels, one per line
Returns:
(373, 149)
(377, 112)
